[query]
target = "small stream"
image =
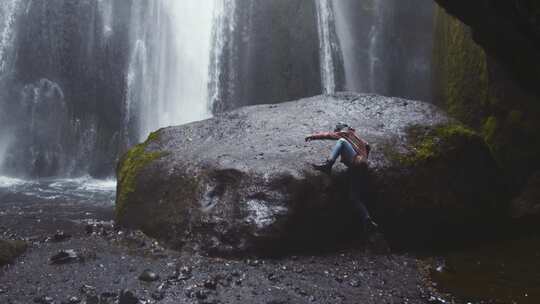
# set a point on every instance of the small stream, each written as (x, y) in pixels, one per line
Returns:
(497, 272)
(40, 207)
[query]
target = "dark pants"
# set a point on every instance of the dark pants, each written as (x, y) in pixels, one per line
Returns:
(358, 188)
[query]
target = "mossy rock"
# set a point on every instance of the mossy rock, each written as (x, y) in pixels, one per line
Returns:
(10, 250)
(444, 177)
(130, 167)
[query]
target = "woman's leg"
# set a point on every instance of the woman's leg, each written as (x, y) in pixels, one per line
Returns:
(344, 149)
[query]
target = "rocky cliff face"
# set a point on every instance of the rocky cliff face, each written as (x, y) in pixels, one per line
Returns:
(484, 73)
(507, 30)
(242, 182)
(271, 55)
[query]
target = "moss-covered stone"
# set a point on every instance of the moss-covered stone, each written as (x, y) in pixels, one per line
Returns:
(9, 250)
(427, 143)
(130, 166)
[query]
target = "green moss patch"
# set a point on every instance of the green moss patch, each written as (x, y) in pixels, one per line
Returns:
(9, 250)
(131, 164)
(427, 143)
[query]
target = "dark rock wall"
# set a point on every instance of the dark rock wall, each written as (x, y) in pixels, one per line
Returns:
(389, 45)
(478, 86)
(508, 30)
(272, 55)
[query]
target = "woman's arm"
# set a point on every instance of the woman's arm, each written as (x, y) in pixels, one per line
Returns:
(324, 135)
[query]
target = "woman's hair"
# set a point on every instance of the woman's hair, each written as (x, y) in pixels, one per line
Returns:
(340, 126)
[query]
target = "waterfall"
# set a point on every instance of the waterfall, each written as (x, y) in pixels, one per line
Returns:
(325, 24)
(168, 74)
(346, 31)
(222, 41)
(81, 81)
(8, 10)
(106, 8)
(374, 40)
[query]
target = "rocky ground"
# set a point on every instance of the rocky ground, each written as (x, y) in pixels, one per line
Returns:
(110, 266)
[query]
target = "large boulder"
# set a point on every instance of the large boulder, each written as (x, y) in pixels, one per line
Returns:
(241, 181)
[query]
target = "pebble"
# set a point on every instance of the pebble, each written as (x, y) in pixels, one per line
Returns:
(73, 300)
(201, 294)
(127, 297)
(43, 300)
(87, 289)
(184, 273)
(64, 257)
(148, 276)
(60, 236)
(354, 283)
(158, 295)
(210, 284)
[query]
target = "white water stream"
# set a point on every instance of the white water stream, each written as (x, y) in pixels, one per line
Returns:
(325, 21)
(168, 76)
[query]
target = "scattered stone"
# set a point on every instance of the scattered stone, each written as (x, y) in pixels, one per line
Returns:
(273, 278)
(92, 299)
(127, 297)
(107, 298)
(201, 294)
(354, 283)
(183, 273)
(148, 276)
(65, 257)
(87, 289)
(108, 295)
(210, 284)
(89, 229)
(43, 300)
(103, 228)
(72, 300)
(158, 295)
(60, 236)
(253, 263)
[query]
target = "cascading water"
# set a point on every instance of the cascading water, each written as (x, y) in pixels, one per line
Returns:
(325, 18)
(106, 8)
(222, 41)
(8, 11)
(168, 74)
(374, 40)
(109, 72)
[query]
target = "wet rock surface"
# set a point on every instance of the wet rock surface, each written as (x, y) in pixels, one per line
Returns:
(242, 182)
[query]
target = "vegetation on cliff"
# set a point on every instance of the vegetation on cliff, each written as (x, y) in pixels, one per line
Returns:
(475, 88)
(129, 167)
